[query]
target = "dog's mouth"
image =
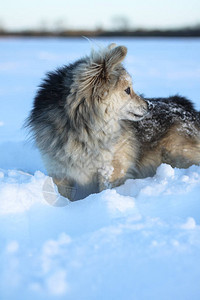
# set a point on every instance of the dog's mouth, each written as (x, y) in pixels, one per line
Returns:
(141, 112)
(137, 117)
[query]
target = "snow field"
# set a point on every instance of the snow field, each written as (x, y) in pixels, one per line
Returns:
(136, 242)
(140, 238)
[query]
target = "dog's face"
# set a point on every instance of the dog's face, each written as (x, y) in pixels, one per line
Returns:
(102, 87)
(124, 102)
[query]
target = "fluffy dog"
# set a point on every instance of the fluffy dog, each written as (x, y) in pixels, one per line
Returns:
(94, 131)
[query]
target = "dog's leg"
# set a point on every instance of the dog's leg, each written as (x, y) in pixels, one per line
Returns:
(123, 162)
(104, 179)
(120, 175)
(180, 150)
(113, 176)
(182, 156)
(65, 188)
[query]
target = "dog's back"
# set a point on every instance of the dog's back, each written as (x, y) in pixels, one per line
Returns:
(169, 134)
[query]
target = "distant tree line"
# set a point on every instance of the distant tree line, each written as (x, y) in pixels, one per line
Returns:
(120, 26)
(184, 32)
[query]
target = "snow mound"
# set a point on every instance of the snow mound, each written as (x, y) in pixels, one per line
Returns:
(140, 239)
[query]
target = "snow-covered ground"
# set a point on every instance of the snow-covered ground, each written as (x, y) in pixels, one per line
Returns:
(138, 241)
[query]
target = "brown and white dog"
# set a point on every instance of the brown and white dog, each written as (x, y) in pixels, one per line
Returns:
(94, 131)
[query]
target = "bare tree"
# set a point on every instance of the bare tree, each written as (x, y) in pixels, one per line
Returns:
(2, 28)
(121, 23)
(59, 25)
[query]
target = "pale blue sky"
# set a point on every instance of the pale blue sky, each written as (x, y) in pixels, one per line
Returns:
(21, 14)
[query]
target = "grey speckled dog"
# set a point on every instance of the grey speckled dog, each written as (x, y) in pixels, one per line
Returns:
(94, 132)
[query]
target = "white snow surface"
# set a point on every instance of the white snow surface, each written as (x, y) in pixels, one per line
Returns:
(138, 241)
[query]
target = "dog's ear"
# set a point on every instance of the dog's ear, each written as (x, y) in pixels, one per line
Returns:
(111, 46)
(114, 56)
(100, 68)
(107, 76)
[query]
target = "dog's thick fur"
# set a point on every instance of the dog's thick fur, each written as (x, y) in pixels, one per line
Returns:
(94, 132)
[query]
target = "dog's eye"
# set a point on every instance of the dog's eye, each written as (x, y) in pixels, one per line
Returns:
(128, 90)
